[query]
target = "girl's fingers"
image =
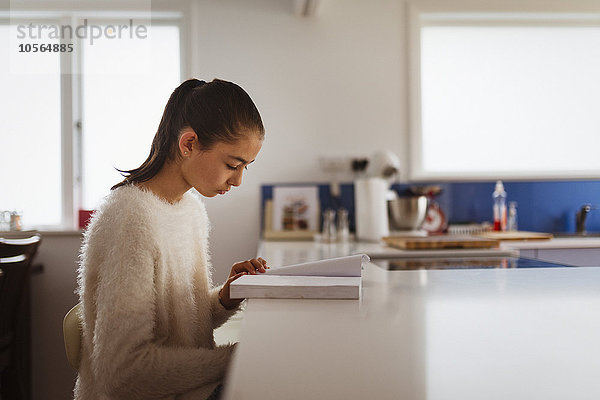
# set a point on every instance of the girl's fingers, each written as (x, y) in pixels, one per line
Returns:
(263, 262)
(258, 266)
(250, 266)
(244, 266)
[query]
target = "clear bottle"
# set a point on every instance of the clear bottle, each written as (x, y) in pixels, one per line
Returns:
(329, 231)
(512, 224)
(343, 231)
(499, 197)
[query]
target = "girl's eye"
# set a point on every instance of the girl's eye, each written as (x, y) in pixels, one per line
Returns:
(231, 167)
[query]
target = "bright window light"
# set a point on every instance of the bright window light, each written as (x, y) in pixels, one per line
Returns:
(508, 100)
(30, 136)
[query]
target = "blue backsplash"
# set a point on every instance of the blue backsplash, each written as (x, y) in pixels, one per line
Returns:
(543, 206)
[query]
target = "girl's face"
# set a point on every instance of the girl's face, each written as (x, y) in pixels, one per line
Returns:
(215, 171)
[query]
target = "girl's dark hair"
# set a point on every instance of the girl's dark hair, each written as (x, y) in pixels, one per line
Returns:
(217, 111)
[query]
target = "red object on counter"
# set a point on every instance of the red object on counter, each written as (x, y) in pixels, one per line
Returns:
(497, 226)
(84, 218)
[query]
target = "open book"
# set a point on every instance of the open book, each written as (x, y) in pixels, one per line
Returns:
(334, 278)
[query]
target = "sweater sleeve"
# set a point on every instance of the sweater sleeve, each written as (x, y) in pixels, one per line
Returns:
(219, 313)
(125, 360)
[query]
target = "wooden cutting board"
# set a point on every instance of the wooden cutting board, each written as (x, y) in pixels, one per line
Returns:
(440, 242)
(516, 235)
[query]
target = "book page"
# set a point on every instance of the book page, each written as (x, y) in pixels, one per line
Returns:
(340, 266)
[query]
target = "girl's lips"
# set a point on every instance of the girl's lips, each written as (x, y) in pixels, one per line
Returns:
(222, 191)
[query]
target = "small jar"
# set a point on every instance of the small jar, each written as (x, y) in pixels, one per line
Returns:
(16, 221)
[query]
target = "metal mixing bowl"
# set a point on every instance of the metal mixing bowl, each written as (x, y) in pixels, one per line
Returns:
(407, 213)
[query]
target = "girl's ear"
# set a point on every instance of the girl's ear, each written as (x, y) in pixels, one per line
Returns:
(187, 142)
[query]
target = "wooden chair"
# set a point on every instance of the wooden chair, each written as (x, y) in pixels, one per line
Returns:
(72, 332)
(16, 255)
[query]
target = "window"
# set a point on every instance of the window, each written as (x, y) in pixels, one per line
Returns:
(30, 136)
(505, 95)
(70, 118)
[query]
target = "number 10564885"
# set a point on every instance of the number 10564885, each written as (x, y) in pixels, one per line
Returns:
(45, 48)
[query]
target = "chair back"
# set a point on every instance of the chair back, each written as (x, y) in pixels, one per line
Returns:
(16, 256)
(24, 245)
(72, 332)
(15, 261)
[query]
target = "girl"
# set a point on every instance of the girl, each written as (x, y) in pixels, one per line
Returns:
(149, 308)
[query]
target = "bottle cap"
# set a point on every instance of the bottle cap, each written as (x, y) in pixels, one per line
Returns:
(499, 186)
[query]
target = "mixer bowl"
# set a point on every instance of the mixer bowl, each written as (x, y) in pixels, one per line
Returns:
(407, 213)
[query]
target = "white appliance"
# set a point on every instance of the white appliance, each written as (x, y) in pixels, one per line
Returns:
(371, 195)
(370, 203)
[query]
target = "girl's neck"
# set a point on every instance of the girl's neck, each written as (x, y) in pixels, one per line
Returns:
(167, 184)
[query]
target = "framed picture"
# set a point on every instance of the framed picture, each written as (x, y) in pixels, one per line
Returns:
(296, 208)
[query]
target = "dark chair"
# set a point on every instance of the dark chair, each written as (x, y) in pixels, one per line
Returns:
(16, 255)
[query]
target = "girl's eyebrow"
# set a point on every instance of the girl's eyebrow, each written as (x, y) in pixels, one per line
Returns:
(240, 159)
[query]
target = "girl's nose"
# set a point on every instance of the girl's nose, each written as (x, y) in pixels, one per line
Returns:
(236, 180)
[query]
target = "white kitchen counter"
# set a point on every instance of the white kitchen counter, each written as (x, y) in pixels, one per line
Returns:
(454, 334)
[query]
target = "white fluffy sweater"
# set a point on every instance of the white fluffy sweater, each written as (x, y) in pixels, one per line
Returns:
(149, 308)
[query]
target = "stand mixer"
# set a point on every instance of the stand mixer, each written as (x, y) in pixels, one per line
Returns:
(416, 213)
(407, 214)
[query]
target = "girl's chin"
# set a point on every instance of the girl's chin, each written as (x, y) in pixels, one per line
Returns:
(205, 193)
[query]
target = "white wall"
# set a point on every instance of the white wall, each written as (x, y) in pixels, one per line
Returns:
(330, 84)
(52, 295)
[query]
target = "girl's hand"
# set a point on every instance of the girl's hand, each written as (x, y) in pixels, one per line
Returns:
(240, 269)
(251, 266)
